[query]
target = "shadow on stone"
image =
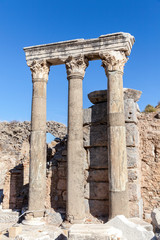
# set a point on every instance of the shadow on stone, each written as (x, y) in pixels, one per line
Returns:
(61, 237)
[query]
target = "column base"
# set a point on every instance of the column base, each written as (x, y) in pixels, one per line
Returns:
(34, 221)
(118, 204)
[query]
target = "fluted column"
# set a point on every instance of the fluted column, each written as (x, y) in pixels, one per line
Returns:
(113, 63)
(75, 177)
(37, 174)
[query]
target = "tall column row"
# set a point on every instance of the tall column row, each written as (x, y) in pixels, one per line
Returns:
(113, 63)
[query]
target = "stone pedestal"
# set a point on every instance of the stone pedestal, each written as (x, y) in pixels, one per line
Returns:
(113, 63)
(75, 177)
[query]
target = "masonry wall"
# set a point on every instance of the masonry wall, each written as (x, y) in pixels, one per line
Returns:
(149, 130)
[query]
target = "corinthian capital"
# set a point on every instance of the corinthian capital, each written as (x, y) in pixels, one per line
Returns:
(113, 61)
(76, 66)
(40, 70)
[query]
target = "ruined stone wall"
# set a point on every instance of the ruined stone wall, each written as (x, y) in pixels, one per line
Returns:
(14, 143)
(96, 187)
(149, 131)
(95, 143)
(95, 160)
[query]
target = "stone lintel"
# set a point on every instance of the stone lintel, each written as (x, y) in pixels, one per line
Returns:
(57, 53)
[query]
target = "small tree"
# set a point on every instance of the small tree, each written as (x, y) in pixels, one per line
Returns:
(149, 108)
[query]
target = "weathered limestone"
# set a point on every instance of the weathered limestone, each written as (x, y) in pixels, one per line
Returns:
(95, 143)
(132, 229)
(113, 63)
(94, 232)
(75, 181)
(37, 177)
(112, 49)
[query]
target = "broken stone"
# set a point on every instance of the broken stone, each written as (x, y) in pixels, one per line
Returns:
(101, 95)
(94, 232)
(98, 96)
(155, 215)
(53, 217)
(8, 216)
(14, 231)
(130, 230)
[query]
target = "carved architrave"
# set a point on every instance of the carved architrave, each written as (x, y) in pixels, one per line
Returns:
(40, 70)
(76, 66)
(113, 61)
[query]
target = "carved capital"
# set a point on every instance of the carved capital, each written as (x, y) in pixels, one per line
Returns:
(40, 70)
(76, 66)
(113, 61)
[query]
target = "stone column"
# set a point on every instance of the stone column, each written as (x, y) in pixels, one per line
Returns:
(113, 63)
(37, 174)
(75, 177)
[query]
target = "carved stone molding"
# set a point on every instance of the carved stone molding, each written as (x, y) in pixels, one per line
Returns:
(113, 61)
(76, 66)
(40, 70)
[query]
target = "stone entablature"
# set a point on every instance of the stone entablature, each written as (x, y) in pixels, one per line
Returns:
(57, 53)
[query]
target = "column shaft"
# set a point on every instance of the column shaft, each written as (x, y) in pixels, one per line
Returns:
(118, 174)
(75, 177)
(75, 181)
(113, 62)
(37, 174)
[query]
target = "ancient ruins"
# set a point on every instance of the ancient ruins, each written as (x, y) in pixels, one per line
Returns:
(102, 165)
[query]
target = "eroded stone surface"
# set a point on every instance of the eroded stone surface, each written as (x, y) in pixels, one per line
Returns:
(130, 230)
(94, 232)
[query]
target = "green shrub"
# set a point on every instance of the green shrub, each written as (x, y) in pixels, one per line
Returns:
(149, 108)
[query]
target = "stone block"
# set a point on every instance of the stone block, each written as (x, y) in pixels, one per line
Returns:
(98, 157)
(101, 95)
(97, 175)
(130, 230)
(131, 94)
(61, 184)
(130, 111)
(14, 231)
(132, 157)
(95, 135)
(134, 191)
(132, 135)
(98, 96)
(132, 175)
(97, 190)
(7, 216)
(155, 215)
(94, 232)
(142, 223)
(97, 208)
(134, 210)
(95, 114)
(53, 218)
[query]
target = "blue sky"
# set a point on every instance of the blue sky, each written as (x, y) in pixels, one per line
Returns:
(33, 22)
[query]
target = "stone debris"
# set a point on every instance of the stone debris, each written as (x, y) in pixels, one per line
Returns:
(8, 216)
(46, 232)
(94, 232)
(14, 231)
(53, 218)
(155, 215)
(130, 230)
